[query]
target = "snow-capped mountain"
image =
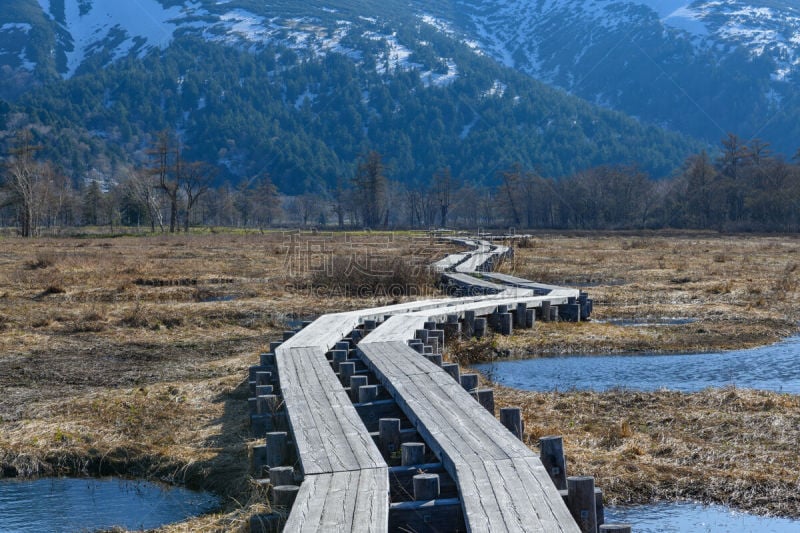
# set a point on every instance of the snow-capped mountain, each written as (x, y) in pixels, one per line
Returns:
(105, 30)
(296, 89)
(528, 34)
(702, 67)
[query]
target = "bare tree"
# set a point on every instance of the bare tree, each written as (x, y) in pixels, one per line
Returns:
(140, 186)
(370, 189)
(442, 187)
(195, 183)
(339, 197)
(167, 169)
(309, 206)
(509, 184)
(25, 183)
(258, 201)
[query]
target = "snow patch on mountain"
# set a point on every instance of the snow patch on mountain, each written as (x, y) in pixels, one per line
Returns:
(15, 34)
(520, 33)
(242, 24)
(88, 29)
(398, 57)
(117, 29)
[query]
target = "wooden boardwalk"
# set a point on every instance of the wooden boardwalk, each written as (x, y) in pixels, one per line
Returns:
(499, 483)
(502, 484)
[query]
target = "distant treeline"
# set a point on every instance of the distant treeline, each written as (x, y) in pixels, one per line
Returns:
(744, 187)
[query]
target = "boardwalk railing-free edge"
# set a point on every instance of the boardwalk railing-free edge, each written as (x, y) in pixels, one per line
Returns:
(366, 429)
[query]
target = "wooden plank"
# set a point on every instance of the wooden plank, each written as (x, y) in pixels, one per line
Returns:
(465, 280)
(324, 332)
(339, 503)
(396, 328)
(355, 501)
(305, 433)
(306, 514)
(327, 431)
(371, 514)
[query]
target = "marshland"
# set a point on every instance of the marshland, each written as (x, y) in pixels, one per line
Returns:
(128, 355)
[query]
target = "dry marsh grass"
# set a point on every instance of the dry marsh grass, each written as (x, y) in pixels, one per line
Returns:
(728, 446)
(129, 355)
(735, 291)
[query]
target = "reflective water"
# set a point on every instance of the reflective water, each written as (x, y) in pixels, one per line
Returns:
(220, 298)
(775, 368)
(662, 321)
(77, 504)
(683, 517)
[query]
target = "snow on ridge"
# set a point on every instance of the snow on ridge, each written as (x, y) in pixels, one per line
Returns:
(497, 89)
(246, 25)
(45, 5)
(142, 18)
(22, 26)
(397, 57)
(686, 19)
(15, 27)
(445, 28)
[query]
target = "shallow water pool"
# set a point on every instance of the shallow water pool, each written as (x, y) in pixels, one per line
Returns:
(775, 368)
(87, 504)
(692, 517)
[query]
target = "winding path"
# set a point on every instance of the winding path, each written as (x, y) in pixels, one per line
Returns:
(501, 485)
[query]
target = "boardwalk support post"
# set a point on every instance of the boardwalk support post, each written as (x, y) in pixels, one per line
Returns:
(282, 475)
(356, 382)
(367, 393)
(598, 505)
(485, 397)
(346, 370)
(389, 435)
(259, 460)
(551, 453)
(480, 327)
(581, 502)
(452, 329)
(521, 315)
(469, 381)
(469, 324)
(426, 487)
(453, 370)
(277, 448)
(267, 523)
(412, 453)
(284, 495)
(338, 357)
(511, 418)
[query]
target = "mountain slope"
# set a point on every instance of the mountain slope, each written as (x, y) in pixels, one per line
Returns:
(299, 90)
(704, 68)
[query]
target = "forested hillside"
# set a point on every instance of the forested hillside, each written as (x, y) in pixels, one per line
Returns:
(305, 98)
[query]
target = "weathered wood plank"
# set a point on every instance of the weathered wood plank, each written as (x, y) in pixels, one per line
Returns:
(354, 501)
(327, 431)
(480, 454)
(372, 501)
